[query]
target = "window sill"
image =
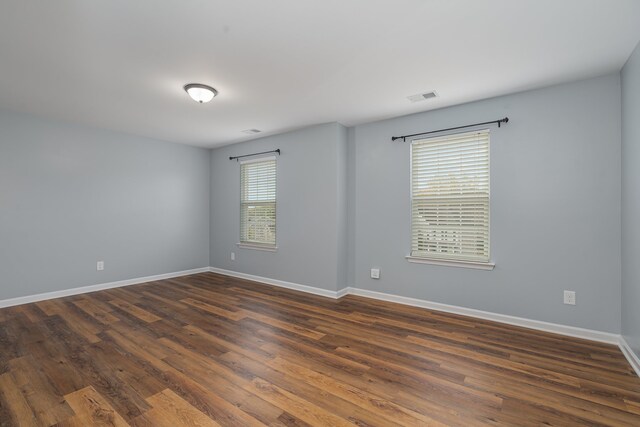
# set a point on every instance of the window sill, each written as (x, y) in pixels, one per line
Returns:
(257, 247)
(450, 263)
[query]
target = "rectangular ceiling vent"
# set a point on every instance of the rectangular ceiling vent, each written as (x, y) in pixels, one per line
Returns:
(251, 131)
(422, 96)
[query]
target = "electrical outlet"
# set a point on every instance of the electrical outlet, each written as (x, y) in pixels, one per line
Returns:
(233, 256)
(570, 297)
(100, 266)
(375, 273)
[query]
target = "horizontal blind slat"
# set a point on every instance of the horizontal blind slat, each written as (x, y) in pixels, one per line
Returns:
(450, 196)
(258, 202)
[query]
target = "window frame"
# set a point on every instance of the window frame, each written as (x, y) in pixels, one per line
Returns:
(443, 261)
(254, 244)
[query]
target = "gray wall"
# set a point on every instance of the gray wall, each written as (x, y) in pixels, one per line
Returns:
(555, 207)
(351, 207)
(311, 209)
(72, 195)
(631, 201)
(342, 212)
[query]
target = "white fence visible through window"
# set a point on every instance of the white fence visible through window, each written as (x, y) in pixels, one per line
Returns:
(258, 201)
(450, 197)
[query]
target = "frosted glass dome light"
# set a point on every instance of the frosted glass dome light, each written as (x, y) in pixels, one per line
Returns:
(200, 93)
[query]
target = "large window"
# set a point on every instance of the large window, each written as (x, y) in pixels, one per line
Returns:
(450, 197)
(258, 202)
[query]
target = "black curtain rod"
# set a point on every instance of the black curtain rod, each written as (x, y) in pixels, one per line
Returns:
(498, 122)
(254, 154)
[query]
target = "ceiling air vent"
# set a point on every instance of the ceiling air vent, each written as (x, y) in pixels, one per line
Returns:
(251, 131)
(422, 96)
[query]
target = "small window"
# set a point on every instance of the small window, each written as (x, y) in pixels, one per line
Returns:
(258, 202)
(450, 197)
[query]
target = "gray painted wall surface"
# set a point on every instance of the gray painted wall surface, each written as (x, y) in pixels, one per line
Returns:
(555, 207)
(342, 213)
(309, 208)
(72, 195)
(351, 207)
(631, 201)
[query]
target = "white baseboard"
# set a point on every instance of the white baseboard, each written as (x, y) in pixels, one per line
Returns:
(555, 328)
(342, 292)
(279, 283)
(572, 331)
(99, 287)
(631, 356)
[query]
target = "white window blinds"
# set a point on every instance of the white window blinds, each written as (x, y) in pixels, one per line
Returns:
(450, 197)
(258, 202)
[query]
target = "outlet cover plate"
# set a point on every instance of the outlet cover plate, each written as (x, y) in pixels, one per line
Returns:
(570, 297)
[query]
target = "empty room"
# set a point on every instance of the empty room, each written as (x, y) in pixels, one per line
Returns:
(319, 213)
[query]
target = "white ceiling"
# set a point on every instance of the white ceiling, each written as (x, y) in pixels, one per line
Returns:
(284, 64)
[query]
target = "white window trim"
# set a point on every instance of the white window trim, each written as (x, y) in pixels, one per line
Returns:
(451, 263)
(258, 247)
(475, 265)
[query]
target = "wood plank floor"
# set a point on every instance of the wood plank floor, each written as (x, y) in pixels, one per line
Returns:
(210, 350)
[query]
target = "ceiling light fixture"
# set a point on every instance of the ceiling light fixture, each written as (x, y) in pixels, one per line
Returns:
(200, 93)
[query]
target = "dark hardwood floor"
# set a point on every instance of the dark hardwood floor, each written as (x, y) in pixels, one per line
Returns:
(214, 350)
